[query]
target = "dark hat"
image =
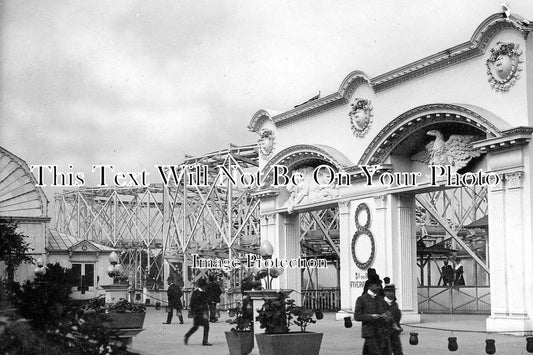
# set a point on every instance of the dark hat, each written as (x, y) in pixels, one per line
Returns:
(389, 287)
(201, 282)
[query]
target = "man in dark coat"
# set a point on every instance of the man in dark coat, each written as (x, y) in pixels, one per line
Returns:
(174, 294)
(213, 295)
(392, 321)
(370, 309)
(199, 305)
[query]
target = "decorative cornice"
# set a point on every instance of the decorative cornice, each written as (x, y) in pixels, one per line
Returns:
(408, 122)
(521, 130)
(305, 152)
(309, 109)
(257, 120)
(341, 97)
(509, 139)
(476, 46)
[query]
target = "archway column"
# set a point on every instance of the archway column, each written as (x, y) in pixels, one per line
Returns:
(345, 259)
(289, 248)
(510, 245)
(403, 233)
(283, 232)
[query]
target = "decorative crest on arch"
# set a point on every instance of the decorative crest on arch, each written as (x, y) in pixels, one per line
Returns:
(504, 66)
(361, 116)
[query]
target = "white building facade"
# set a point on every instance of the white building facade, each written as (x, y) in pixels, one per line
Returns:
(468, 108)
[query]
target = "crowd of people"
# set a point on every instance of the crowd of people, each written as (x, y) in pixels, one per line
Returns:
(380, 316)
(376, 308)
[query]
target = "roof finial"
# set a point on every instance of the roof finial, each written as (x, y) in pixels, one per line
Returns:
(506, 10)
(517, 19)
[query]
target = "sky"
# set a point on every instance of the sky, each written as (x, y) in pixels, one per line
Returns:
(139, 83)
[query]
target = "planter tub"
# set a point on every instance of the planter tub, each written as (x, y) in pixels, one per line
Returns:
(126, 320)
(297, 343)
(240, 343)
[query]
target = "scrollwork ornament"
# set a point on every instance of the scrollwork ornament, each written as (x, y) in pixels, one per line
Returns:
(361, 116)
(504, 66)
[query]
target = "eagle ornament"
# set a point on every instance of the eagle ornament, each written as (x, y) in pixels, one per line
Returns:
(455, 152)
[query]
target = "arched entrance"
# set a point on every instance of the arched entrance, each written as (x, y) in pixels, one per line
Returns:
(493, 148)
(303, 222)
(468, 139)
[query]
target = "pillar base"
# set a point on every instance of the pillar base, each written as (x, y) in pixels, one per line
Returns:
(512, 325)
(343, 313)
(410, 317)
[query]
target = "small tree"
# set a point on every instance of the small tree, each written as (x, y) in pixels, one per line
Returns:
(13, 248)
(42, 300)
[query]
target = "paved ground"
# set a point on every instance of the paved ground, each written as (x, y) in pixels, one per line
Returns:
(162, 339)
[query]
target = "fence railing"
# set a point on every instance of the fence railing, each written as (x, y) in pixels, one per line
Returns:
(326, 299)
(454, 299)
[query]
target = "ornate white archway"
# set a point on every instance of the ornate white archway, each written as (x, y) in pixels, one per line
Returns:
(423, 116)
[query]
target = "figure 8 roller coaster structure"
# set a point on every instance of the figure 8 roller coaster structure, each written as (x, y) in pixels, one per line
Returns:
(158, 228)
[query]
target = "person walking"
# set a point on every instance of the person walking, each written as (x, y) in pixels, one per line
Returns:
(213, 295)
(174, 294)
(200, 309)
(370, 310)
(392, 321)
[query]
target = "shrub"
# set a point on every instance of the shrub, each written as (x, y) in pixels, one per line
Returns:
(54, 324)
(243, 317)
(277, 315)
(42, 301)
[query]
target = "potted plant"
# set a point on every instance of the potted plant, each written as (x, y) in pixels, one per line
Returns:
(120, 315)
(240, 338)
(124, 314)
(276, 316)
